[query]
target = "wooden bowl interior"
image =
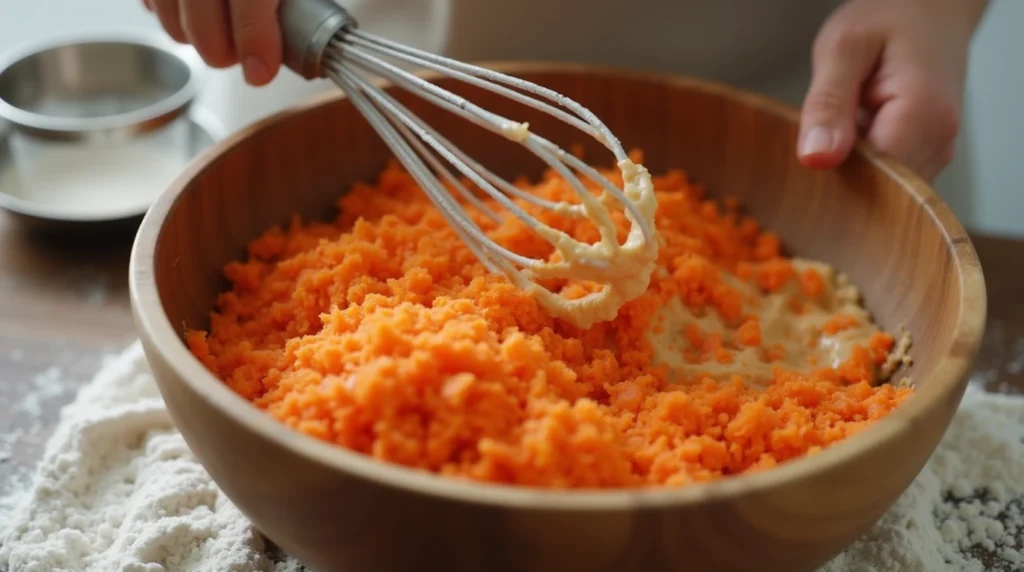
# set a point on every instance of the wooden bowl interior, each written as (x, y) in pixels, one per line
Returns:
(871, 219)
(866, 218)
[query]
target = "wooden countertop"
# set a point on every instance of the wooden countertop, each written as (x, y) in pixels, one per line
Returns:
(64, 304)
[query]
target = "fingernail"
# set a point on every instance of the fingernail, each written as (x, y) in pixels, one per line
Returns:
(817, 140)
(255, 70)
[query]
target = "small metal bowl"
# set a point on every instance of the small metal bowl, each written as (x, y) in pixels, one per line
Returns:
(100, 86)
(90, 105)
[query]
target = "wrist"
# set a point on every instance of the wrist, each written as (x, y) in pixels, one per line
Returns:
(966, 12)
(974, 11)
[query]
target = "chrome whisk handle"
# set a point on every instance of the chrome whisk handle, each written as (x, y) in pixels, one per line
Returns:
(307, 27)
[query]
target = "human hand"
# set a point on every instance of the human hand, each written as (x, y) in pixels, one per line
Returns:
(892, 71)
(227, 32)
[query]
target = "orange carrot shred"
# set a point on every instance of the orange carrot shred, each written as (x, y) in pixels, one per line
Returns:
(380, 332)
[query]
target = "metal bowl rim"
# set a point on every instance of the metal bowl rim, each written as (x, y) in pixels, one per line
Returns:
(170, 107)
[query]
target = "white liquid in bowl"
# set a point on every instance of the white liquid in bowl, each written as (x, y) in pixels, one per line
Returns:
(93, 182)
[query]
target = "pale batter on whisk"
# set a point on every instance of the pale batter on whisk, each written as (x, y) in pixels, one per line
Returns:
(623, 270)
(620, 272)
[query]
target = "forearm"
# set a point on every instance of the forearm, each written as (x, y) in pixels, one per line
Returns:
(968, 13)
(974, 11)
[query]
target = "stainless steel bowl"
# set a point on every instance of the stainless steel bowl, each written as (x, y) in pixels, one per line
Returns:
(84, 108)
(99, 86)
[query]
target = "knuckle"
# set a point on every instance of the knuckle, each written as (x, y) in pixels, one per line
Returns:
(838, 37)
(824, 101)
(176, 34)
(946, 117)
(216, 57)
(946, 157)
(215, 50)
(168, 16)
(941, 112)
(252, 20)
(944, 162)
(930, 107)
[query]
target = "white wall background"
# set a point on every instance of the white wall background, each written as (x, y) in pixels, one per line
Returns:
(985, 184)
(987, 190)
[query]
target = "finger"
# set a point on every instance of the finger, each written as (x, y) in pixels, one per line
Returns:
(169, 14)
(257, 38)
(937, 163)
(842, 62)
(207, 26)
(945, 157)
(918, 129)
(864, 118)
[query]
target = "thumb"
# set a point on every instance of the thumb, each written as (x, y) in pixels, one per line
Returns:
(841, 63)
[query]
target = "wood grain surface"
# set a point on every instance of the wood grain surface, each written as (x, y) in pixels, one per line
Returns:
(63, 304)
(340, 511)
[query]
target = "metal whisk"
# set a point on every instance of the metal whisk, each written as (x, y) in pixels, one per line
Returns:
(321, 39)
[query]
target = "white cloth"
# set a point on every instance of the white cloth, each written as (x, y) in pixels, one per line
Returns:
(762, 45)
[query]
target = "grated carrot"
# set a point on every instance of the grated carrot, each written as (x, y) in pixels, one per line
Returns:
(838, 323)
(811, 283)
(381, 332)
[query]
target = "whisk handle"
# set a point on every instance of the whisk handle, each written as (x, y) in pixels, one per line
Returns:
(307, 26)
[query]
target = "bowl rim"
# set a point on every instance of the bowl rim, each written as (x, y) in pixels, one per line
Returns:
(161, 338)
(148, 118)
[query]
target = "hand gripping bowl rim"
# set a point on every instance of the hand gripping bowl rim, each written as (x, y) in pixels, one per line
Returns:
(949, 382)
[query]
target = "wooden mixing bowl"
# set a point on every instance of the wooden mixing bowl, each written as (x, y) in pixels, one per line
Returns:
(340, 511)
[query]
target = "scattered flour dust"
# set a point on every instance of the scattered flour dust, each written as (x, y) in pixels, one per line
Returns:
(47, 385)
(965, 510)
(119, 491)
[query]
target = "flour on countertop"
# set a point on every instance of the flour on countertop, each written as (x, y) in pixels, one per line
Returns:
(47, 385)
(119, 491)
(965, 510)
(36, 392)
(26, 417)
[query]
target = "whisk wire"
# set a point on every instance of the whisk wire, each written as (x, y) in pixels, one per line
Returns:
(555, 237)
(349, 50)
(395, 109)
(407, 121)
(472, 75)
(353, 54)
(405, 154)
(320, 38)
(486, 173)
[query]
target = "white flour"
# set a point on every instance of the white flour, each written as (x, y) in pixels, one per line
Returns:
(47, 386)
(118, 491)
(965, 511)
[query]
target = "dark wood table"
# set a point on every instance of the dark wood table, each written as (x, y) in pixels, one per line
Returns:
(64, 304)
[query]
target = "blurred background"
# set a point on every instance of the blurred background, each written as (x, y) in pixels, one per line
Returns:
(983, 185)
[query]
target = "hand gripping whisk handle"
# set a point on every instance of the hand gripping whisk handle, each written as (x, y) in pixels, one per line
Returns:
(307, 26)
